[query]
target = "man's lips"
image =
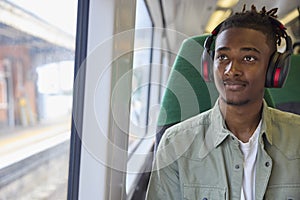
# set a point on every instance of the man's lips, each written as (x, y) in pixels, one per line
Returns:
(234, 85)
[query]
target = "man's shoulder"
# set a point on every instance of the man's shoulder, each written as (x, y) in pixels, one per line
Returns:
(284, 127)
(190, 125)
(187, 130)
(186, 136)
(283, 117)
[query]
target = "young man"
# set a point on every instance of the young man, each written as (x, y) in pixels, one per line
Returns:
(241, 148)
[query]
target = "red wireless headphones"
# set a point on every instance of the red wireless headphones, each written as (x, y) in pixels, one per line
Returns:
(278, 64)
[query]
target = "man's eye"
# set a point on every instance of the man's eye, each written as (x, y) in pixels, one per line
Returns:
(222, 57)
(249, 58)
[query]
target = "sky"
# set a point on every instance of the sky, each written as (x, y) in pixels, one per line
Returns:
(60, 13)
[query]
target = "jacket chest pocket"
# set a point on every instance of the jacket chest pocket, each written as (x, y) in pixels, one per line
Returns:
(283, 192)
(192, 192)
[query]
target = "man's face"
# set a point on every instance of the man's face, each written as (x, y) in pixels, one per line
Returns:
(240, 64)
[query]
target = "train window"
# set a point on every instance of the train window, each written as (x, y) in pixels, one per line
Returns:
(141, 76)
(140, 141)
(37, 44)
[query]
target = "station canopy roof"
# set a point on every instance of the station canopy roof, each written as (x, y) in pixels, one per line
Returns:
(20, 27)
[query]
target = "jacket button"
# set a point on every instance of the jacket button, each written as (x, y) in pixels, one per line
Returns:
(267, 164)
(205, 198)
(236, 166)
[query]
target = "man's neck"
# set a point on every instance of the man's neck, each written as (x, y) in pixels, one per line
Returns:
(241, 120)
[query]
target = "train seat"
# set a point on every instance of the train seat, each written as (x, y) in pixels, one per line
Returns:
(287, 98)
(186, 93)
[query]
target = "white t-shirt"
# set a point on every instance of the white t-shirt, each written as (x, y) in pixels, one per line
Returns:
(249, 150)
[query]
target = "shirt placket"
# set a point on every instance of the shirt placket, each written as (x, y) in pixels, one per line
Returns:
(237, 170)
(263, 172)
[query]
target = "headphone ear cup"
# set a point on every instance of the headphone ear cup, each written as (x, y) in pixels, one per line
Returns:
(283, 63)
(277, 70)
(206, 68)
(271, 70)
(207, 60)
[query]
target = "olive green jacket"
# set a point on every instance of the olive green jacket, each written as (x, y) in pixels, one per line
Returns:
(199, 159)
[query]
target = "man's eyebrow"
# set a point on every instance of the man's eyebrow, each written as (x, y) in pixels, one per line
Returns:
(242, 49)
(250, 49)
(223, 49)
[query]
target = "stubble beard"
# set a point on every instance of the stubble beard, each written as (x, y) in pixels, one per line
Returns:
(235, 103)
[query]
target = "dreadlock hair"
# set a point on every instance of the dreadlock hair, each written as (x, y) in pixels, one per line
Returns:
(259, 21)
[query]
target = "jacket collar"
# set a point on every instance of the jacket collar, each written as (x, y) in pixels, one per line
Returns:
(218, 131)
(266, 123)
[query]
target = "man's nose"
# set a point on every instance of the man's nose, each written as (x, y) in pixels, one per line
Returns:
(233, 69)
